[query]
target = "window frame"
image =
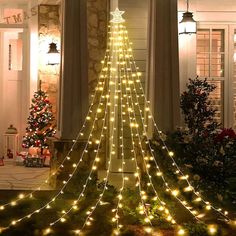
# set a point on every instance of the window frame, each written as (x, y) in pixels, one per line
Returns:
(226, 79)
(232, 28)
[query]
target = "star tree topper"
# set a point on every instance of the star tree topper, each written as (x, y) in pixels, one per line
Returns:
(117, 16)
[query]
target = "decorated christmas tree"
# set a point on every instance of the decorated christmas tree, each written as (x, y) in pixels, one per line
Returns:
(40, 122)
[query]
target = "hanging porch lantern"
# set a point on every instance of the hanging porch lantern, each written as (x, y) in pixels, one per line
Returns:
(53, 54)
(187, 25)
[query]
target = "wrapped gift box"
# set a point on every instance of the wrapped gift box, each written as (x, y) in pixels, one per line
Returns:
(34, 161)
(19, 161)
(20, 158)
(47, 157)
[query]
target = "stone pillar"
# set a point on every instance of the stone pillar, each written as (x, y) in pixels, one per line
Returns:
(32, 48)
(74, 68)
(164, 63)
(60, 149)
(49, 31)
(98, 17)
(83, 48)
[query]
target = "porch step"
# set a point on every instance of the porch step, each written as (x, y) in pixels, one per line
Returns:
(7, 185)
(9, 162)
(15, 177)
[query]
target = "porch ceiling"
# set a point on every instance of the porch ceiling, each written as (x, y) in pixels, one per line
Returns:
(13, 1)
(208, 5)
(10, 2)
(50, 2)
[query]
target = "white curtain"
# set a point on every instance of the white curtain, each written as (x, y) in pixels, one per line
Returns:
(163, 86)
(74, 70)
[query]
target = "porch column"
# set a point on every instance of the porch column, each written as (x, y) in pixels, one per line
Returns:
(163, 89)
(74, 69)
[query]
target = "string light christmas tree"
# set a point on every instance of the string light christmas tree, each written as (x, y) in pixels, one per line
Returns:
(40, 122)
(119, 95)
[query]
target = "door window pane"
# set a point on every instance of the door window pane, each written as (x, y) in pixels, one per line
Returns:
(217, 53)
(15, 54)
(203, 52)
(218, 40)
(217, 100)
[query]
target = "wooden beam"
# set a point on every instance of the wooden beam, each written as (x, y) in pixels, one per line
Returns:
(13, 26)
(50, 2)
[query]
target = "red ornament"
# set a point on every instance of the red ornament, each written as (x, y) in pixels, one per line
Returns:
(225, 133)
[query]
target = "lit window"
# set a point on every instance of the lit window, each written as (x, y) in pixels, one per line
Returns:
(211, 64)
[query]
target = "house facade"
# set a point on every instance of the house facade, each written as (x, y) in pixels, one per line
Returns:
(79, 29)
(211, 53)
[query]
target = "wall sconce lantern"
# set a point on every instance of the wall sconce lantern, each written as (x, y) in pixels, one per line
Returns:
(53, 55)
(187, 25)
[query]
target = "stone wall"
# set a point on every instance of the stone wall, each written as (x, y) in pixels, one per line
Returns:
(97, 11)
(98, 17)
(49, 31)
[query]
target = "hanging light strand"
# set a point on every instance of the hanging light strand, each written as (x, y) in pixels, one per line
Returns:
(121, 139)
(142, 193)
(111, 153)
(173, 192)
(23, 196)
(75, 167)
(170, 153)
(131, 108)
(96, 160)
(65, 213)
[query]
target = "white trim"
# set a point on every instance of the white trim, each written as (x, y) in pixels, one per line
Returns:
(229, 69)
(114, 4)
(231, 74)
(225, 78)
(13, 26)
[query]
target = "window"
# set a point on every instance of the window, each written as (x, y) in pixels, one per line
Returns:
(211, 53)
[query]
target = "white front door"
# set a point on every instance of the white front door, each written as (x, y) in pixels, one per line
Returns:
(13, 82)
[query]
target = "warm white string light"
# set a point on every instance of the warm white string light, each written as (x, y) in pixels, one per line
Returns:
(96, 160)
(160, 174)
(75, 167)
(94, 164)
(121, 138)
(120, 197)
(142, 193)
(162, 207)
(130, 109)
(23, 196)
(88, 220)
(171, 154)
(123, 55)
